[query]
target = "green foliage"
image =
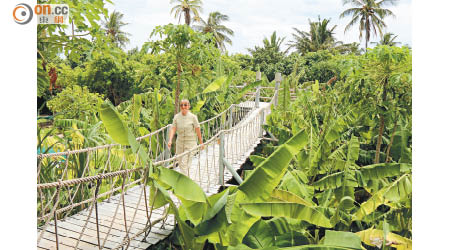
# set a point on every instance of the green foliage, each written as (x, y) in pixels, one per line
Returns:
(187, 49)
(76, 102)
(109, 74)
(268, 174)
(270, 59)
(55, 39)
(335, 173)
(285, 209)
(319, 66)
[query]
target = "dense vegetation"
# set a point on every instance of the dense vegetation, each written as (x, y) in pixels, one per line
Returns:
(339, 174)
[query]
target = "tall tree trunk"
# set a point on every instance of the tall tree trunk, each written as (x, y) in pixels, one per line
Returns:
(388, 151)
(177, 89)
(380, 131)
(187, 17)
(367, 33)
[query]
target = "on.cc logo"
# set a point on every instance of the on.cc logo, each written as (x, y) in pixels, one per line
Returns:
(22, 13)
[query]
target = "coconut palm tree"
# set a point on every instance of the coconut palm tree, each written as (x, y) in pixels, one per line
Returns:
(319, 37)
(186, 7)
(369, 14)
(113, 25)
(274, 42)
(215, 27)
(387, 39)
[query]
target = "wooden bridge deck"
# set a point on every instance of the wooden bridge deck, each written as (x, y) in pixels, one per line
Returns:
(114, 224)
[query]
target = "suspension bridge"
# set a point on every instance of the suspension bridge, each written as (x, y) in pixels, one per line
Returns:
(98, 199)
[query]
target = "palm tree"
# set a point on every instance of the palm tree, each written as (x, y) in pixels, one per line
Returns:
(387, 39)
(274, 42)
(318, 38)
(185, 7)
(215, 27)
(370, 15)
(113, 25)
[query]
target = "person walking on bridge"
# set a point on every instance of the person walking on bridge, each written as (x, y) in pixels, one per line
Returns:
(187, 128)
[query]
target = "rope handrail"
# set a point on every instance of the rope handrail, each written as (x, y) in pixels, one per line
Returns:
(86, 179)
(156, 163)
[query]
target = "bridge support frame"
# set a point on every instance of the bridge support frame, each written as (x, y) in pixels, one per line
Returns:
(233, 172)
(277, 86)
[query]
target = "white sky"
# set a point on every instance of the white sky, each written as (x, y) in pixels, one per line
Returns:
(252, 20)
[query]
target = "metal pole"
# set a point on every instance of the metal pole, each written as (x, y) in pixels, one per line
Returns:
(221, 157)
(232, 171)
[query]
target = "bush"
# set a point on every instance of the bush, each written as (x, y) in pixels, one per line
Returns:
(75, 102)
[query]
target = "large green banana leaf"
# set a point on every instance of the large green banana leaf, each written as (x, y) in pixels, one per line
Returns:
(394, 192)
(193, 211)
(119, 131)
(263, 234)
(382, 170)
(399, 189)
(157, 199)
(256, 159)
(115, 126)
(292, 238)
(353, 150)
(136, 108)
(260, 235)
(294, 181)
(287, 196)
(290, 210)
(400, 150)
(215, 218)
(241, 221)
(370, 205)
(335, 180)
(342, 239)
(215, 85)
(361, 176)
(248, 87)
(187, 233)
(182, 186)
(260, 184)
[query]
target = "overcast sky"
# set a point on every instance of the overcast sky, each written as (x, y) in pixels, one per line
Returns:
(252, 20)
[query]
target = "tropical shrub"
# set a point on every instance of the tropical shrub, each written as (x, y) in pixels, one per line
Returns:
(75, 102)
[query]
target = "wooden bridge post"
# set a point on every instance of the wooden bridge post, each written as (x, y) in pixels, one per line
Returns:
(258, 89)
(221, 157)
(277, 86)
(258, 75)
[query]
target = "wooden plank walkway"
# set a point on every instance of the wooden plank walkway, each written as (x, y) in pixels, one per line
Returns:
(116, 222)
